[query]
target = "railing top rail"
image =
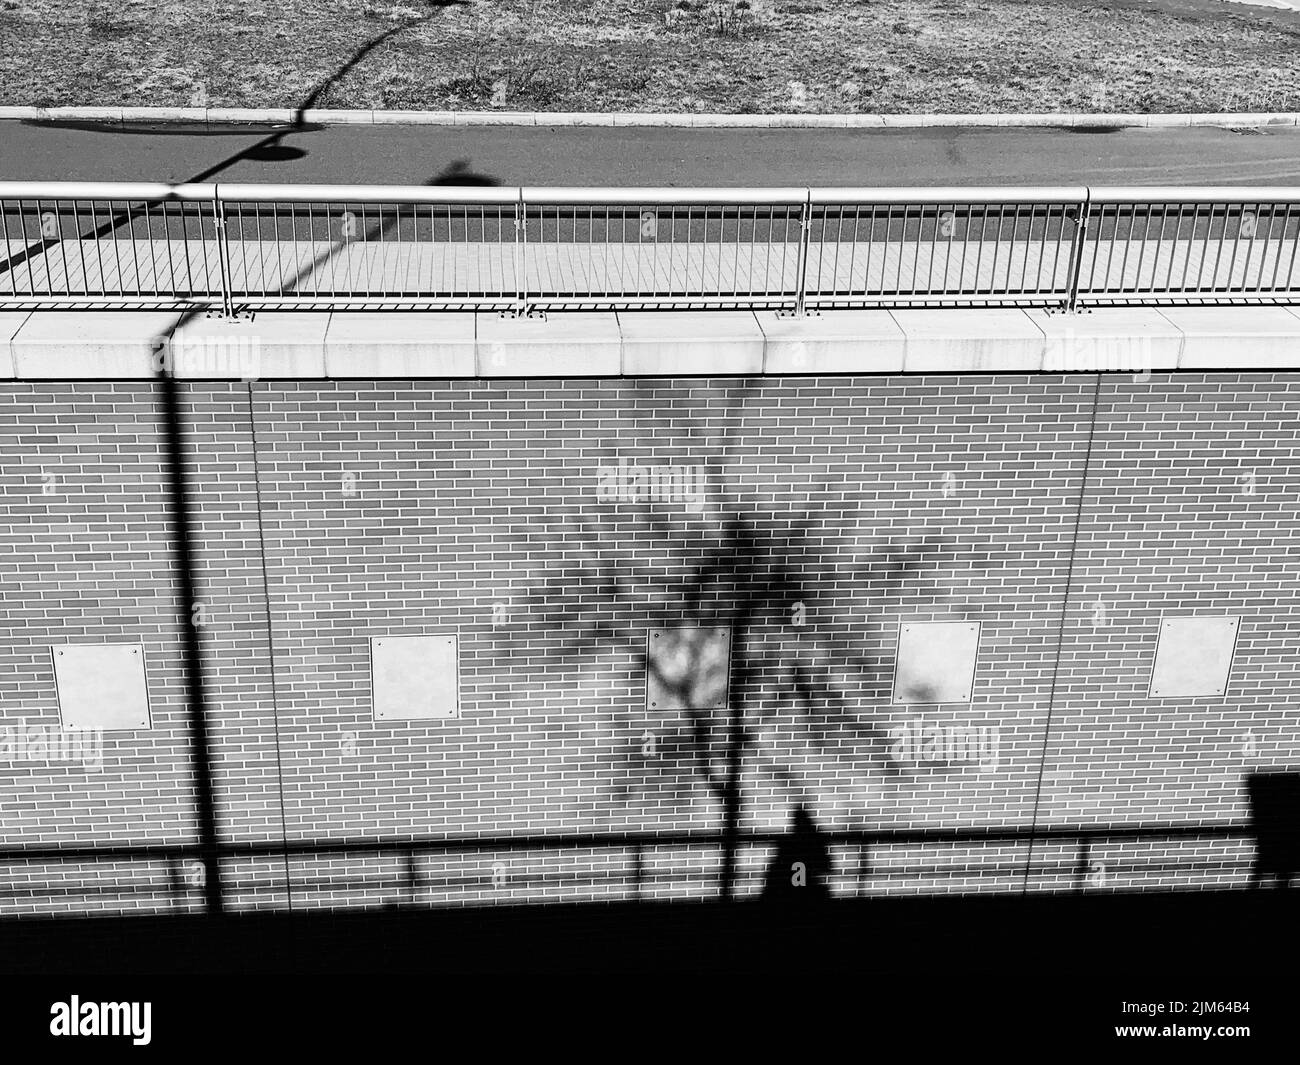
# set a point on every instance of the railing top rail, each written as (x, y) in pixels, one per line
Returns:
(1161, 194)
(471, 194)
(942, 194)
(633, 195)
(642, 195)
(104, 190)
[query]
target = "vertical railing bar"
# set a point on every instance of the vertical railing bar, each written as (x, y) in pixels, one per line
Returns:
(965, 248)
(1203, 247)
(979, 251)
(1218, 253)
(1236, 244)
(854, 241)
(1052, 287)
(279, 257)
(183, 211)
(81, 248)
(172, 284)
(1139, 287)
(148, 233)
(1295, 253)
(997, 248)
(1102, 213)
(9, 250)
(63, 253)
(1031, 210)
(1128, 244)
(1281, 243)
(771, 239)
(690, 256)
(735, 256)
(903, 210)
(749, 265)
(135, 254)
(1263, 255)
(934, 250)
(31, 277)
(1173, 251)
(947, 255)
(1160, 241)
(81, 245)
(259, 255)
(839, 242)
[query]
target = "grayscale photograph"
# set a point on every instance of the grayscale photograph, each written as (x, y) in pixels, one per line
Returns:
(783, 495)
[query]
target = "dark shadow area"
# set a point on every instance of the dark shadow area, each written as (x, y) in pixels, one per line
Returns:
(801, 867)
(1275, 814)
(459, 173)
(1064, 938)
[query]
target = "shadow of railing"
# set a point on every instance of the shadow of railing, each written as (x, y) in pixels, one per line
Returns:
(404, 884)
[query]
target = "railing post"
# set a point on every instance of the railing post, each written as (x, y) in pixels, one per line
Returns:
(1076, 256)
(223, 253)
(805, 228)
(1081, 866)
(521, 256)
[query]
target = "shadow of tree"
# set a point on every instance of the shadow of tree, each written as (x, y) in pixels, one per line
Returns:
(763, 568)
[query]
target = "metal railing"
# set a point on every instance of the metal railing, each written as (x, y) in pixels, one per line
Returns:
(239, 246)
(1070, 869)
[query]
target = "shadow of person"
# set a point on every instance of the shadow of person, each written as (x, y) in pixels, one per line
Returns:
(459, 173)
(800, 870)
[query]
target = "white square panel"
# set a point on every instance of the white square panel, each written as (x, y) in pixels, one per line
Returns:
(414, 678)
(687, 668)
(101, 686)
(1193, 657)
(936, 661)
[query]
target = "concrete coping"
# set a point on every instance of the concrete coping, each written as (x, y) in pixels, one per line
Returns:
(111, 345)
(682, 120)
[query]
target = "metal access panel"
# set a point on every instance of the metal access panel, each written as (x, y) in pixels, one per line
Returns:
(101, 686)
(414, 678)
(1193, 657)
(687, 668)
(936, 661)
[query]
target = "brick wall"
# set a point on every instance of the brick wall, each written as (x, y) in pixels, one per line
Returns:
(405, 508)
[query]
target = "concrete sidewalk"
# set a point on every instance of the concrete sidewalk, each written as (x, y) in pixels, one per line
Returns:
(113, 345)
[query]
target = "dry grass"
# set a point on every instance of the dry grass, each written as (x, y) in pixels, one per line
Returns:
(659, 55)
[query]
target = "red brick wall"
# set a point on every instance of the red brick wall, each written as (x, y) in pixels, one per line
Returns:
(417, 507)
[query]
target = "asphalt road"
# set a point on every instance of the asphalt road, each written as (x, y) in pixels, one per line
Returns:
(652, 156)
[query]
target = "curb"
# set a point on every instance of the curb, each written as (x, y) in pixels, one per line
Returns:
(339, 117)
